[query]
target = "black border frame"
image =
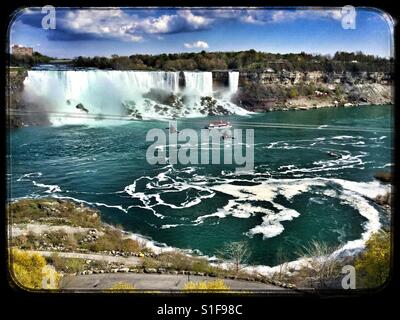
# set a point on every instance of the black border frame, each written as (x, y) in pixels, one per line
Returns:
(37, 303)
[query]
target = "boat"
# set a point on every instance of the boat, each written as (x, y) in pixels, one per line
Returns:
(220, 124)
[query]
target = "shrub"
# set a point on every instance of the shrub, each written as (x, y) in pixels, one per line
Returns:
(122, 286)
(176, 260)
(293, 93)
(373, 265)
(206, 285)
(68, 265)
(50, 210)
(57, 238)
(113, 240)
(201, 265)
(29, 270)
(150, 263)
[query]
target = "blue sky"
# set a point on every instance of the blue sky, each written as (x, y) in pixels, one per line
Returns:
(122, 31)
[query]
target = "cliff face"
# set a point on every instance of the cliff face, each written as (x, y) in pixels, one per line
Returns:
(269, 90)
(293, 78)
(19, 112)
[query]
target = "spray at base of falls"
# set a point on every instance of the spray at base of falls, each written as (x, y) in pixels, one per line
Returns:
(92, 95)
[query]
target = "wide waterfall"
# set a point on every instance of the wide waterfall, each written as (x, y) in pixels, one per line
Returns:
(80, 96)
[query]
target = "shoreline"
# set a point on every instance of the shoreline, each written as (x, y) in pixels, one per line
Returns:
(350, 249)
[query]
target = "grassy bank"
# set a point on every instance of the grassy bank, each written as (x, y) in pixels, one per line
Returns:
(76, 241)
(63, 228)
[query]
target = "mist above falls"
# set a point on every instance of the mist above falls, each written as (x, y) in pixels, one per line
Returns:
(86, 96)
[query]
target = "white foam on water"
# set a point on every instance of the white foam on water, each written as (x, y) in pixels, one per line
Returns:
(163, 181)
(26, 176)
(167, 226)
(369, 190)
(50, 188)
(98, 204)
(355, 194)
(242, 206)
(345, 161)
(344, 137)
(373, 224)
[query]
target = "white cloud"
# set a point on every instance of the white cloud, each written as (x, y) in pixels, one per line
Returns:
(117, 23)
(263, 16)
(129, 26)
(251, 19)
(197, 44)
(290, 15)
(195, 21)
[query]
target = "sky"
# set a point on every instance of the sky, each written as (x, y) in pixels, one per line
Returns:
(126, 31)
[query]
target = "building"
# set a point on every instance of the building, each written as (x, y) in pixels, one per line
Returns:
(21, 50)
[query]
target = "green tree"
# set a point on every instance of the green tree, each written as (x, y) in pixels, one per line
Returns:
(373, 265)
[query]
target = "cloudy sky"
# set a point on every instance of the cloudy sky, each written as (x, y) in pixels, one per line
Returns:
(90, 32)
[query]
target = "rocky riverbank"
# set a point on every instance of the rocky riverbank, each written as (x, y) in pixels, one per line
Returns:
(269, 91)
(74, 241)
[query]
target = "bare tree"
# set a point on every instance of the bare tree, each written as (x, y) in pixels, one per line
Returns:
(237, 252)
(323, 267)
(281, 259)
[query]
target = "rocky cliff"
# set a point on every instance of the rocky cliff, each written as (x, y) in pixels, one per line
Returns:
(19, 112)
(269, 90)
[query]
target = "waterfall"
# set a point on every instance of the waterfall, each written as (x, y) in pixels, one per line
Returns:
(233, 81)
(136, 94)
(199, 83)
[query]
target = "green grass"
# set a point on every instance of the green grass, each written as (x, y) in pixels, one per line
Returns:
(52, 211)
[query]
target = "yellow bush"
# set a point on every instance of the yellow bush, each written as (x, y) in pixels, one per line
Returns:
(122, 286)
(31, 271)
(206, 285)
(293, 93)
(373, 266)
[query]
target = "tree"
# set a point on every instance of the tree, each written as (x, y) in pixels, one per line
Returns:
(237, 252)
(30, 269)
(245, 60)
(206, 285)
(322, 268)
(373, 265)
(281, 259)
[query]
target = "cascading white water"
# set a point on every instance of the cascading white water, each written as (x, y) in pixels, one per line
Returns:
(139, 94)
(233, 81)
(198, 83)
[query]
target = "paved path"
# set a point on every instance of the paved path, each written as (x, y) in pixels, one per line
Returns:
(131, 261)
(152, 282)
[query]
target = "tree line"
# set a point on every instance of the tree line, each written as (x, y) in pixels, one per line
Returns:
(28, 61)
(250, 60)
